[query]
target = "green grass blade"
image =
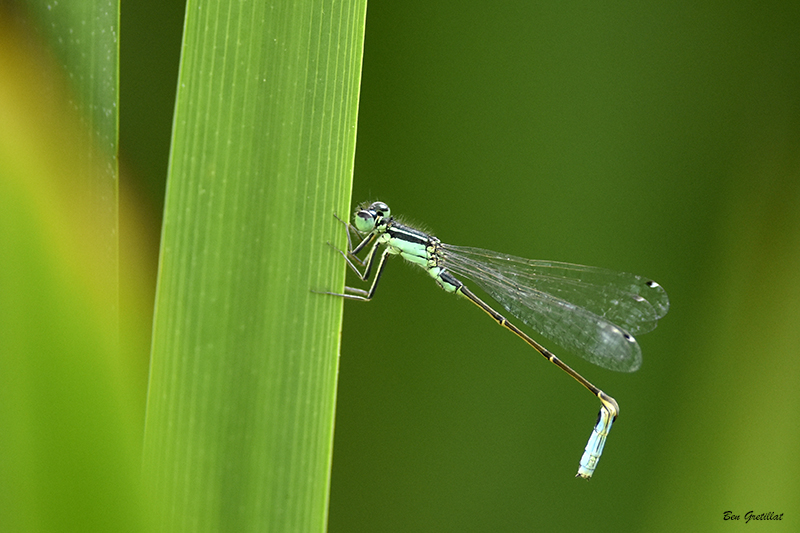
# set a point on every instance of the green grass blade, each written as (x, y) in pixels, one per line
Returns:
(241, 403)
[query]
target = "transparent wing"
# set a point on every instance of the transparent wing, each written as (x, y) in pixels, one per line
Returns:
(592, 312)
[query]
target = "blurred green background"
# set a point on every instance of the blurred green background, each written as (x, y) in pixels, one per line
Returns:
(658, 139)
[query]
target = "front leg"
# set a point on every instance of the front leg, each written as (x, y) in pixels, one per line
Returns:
(367, 265)
(352, 293)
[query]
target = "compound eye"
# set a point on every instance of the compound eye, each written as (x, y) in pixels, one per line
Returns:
(380, 209)
(364, 220)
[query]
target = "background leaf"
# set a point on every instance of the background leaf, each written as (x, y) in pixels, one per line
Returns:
(69, 430)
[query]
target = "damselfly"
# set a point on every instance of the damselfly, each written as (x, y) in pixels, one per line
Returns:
(592, 312)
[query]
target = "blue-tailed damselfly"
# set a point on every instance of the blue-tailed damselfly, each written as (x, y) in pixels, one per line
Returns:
(592, 312)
